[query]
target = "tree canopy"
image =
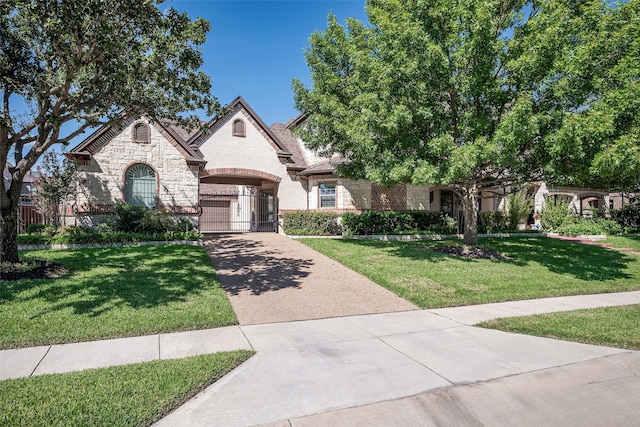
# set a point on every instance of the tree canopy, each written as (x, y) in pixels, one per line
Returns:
(84, 63)
(470, 94)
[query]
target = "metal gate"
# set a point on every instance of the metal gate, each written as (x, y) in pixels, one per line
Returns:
(224, 213)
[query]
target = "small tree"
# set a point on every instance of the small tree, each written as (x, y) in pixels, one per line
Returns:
(57, 183)
(518, 207)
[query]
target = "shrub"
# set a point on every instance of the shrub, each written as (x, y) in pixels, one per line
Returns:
(627, 216)
(554, 213)
(155, 221)
(128, 217)
(492, 222)
(590, 226)
(35, 228)
(518, 208)
(392, 222)
(310, 223)
(89, 236)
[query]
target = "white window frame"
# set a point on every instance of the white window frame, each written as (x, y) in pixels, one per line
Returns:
(322, 187)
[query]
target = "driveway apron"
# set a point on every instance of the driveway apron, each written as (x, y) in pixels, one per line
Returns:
(271, 278)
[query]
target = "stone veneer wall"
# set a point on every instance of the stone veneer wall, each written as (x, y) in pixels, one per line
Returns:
(418, 197)
(177, 182)
(350, 194)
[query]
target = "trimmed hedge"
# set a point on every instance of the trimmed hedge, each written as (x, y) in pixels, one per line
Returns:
(392, 222)
(78, 235)
(311, 223)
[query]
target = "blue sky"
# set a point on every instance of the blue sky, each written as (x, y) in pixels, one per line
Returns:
(255, 48)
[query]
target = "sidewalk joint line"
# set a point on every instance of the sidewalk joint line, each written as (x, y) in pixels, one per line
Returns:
(41, 360)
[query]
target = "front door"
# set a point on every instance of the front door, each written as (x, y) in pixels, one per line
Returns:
(267, 218)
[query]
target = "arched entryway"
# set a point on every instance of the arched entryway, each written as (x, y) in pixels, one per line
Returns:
(238, 200)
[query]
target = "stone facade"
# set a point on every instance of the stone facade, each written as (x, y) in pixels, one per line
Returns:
(104, 176)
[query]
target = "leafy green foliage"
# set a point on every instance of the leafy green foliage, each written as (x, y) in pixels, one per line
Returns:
(56, 183)
(310, 223)
(554, 213)
(627, 215)
(472, 94)
(89, 236)
(128, 218)
(518, 207)
(392, 222)
(493, 222)
(589, 226)
(131, 395)
(85, 63)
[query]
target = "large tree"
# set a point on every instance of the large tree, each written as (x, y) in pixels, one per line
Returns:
(468, 93)
(82, 64)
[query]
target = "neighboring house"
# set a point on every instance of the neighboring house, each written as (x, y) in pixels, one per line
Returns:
(28, 212)
(241, 175)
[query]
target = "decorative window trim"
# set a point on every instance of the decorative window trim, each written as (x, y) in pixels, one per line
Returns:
(324, 200)
(239, 128)
(141, 137)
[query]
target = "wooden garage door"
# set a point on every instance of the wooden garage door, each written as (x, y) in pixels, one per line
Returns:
(215, 216)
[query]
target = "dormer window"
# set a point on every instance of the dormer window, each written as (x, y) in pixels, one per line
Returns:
(141, 133)
(239, 128)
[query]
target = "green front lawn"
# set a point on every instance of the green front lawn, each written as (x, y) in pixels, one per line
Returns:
(114, 292)
(131, 395)
(632, 242)
(610, 326)
(541, 267)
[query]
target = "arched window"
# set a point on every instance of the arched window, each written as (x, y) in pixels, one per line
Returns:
(140, 186)
(238, 128)
(141, 133)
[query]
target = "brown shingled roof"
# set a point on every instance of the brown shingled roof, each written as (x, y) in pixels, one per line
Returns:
(292, 144)
(171, 131)
(322, 168)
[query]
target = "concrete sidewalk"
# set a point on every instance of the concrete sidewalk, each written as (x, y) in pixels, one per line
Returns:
(421, 367)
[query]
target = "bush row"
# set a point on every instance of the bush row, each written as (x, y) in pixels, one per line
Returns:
(130, 224)
(574, 226)
(392, 222)
(309, 223)
(86, 236)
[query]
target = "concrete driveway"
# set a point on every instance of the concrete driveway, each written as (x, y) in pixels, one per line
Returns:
(271, 278)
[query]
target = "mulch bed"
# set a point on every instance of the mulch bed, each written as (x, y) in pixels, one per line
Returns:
(32, 269)
(471, 252)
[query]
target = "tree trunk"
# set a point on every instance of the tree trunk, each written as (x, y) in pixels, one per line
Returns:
(8, 229)
(470, 208)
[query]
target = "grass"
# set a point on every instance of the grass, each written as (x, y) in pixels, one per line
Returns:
(632, 242)
(541, 267)
(114, 292)
(131, 395)
(610, 326)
